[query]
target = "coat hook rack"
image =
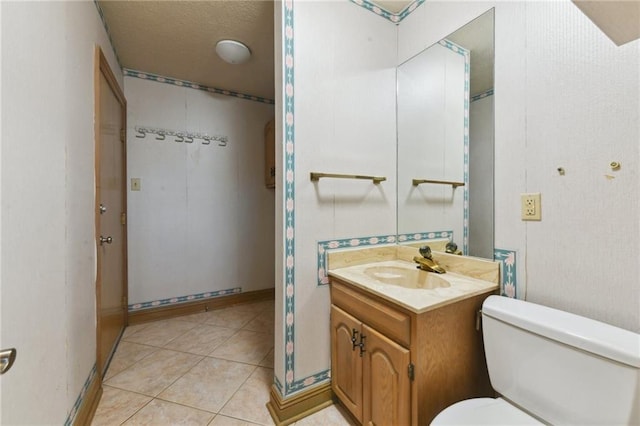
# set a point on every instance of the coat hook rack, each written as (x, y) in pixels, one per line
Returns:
(180, 136)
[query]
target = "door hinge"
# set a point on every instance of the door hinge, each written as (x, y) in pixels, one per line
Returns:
(411, 372)
(122, 135)
(123, 218)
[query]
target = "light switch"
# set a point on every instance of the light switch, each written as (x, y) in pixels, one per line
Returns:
(135, 184)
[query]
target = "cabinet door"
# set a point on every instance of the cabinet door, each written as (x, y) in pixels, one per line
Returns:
(346, 364)
(386, 384)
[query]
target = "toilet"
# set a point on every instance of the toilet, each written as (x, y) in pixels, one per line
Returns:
(552, 367)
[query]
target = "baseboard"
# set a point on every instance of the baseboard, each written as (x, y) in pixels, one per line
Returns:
(90, 402)
(202, 305)
(287, 411)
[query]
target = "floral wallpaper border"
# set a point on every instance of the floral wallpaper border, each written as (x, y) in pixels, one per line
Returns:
(336, 244)
(396, 18)
(191, 85)
(290, 384)
(74, 411)
(508, 279)
(467, 87)
(106, 29)
(181, 299)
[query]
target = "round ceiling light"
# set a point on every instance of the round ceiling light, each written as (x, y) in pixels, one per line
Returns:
(232, 51)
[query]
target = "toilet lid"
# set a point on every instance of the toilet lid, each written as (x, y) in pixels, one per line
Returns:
(483, 411)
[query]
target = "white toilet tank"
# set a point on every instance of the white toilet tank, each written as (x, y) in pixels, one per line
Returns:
(560, 367)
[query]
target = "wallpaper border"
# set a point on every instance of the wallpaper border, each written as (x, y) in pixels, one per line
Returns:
(290, 384)
(134, 307)
(74, 410)
(106, 29)
(508, 268)
(349, 243)
(395, 18)
(127, 72)
(467, 87)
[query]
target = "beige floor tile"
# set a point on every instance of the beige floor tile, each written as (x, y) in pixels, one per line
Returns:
(333, 415)
(201, 340)
(263, 323)
(199, 318)
(163, 413)
(126, 355)
(153, 374)
(257, 306)
(161, 332)
(245, 346)
(269, 306)
(249, 402)
(132, 329)
(230, 317)
(117, 405)
(267, 361)
(221, 420)
(209, 385)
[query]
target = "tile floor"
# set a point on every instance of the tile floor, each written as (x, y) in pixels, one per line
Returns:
(211, 368)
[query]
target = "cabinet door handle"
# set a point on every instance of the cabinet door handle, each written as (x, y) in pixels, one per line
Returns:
(362, 349)
(354, 338)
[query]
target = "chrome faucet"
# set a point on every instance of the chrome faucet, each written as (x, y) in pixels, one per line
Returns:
(426, 262)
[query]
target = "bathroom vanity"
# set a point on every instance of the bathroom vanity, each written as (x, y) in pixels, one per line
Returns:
(405, 346)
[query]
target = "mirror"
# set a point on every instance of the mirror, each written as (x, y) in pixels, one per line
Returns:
(445, 122)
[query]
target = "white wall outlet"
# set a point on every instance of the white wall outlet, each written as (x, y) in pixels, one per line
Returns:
(135, 184)
(531, 207)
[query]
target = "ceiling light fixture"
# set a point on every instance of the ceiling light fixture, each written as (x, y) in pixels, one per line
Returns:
(233, 52)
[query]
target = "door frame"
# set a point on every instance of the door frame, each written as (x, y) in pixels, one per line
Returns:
(101, 66)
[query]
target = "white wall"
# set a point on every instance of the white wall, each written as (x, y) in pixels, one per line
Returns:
(203, 219)
(48, 241)
(344, 74)
(565, 96)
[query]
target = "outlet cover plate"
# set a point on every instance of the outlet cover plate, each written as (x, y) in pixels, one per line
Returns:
(531, 206)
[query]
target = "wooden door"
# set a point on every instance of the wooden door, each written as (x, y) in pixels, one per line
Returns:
(386, 385)
(111, 283)
(346, 363)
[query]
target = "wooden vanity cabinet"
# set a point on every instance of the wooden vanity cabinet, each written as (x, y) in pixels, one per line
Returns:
(370, 379)
(391, 366)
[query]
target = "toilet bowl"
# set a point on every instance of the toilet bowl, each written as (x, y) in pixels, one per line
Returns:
(552, 367)
(484, 411)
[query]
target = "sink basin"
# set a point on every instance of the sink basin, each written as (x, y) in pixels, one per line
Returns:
(405, 277)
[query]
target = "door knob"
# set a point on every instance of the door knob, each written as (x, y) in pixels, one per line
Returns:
(7, 357)
(103, 209)
(107, 240)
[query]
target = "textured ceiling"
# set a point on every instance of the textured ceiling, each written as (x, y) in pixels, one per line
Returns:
(177, 39)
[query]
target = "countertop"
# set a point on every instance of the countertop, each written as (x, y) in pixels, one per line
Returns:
(417, 300)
